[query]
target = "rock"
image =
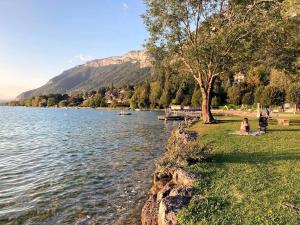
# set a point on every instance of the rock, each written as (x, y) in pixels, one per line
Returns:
(186, 136)
(170, 206)
(165, 191)
(160, 181)
(150, 212)
(181, 191)
(182, 177)
(172, 188)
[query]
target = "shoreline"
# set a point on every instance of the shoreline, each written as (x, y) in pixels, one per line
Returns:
(172, 186)
(98, 108)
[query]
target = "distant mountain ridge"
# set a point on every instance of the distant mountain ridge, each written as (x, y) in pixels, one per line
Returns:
(129, 69)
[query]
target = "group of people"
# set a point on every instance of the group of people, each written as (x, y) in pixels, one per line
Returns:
(262, 122)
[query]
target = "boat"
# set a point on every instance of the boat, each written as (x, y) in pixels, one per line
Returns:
(123, 113)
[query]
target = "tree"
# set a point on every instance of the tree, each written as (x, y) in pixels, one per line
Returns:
(258, 75)
(179, 97)
(52, 101)
(248, 99)
(273, 96)
(205, 35)
(133, 102)
(165, 99)
(258, 94)
(142, 93)
(196, 98)
(234, 95)
(95, 101)
(155, 93)
(293, 94)
(63, 103)
(280, 79)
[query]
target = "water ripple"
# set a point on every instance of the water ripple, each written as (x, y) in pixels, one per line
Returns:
(68, 166)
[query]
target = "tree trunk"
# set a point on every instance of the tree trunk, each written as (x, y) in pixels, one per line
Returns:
(207, 116)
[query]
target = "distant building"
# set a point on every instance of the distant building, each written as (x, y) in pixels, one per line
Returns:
(187, 107)
(238, 78)
(176, 107)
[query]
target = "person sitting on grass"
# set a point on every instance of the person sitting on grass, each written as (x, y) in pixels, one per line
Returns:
(245, 127)
(262, 122)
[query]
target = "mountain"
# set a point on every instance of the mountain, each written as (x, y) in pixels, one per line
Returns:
(129, 69)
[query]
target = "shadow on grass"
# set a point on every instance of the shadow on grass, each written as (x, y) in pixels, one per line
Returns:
(228, 121)
(274, 130)
(254, 157)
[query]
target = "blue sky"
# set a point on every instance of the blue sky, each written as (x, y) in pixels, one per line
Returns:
(41, 38)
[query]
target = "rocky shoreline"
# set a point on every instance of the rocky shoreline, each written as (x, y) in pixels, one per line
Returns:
(172, 182)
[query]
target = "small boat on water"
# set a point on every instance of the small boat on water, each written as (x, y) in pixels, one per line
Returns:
(123, 113)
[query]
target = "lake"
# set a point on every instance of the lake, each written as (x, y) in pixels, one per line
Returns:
(76, 166)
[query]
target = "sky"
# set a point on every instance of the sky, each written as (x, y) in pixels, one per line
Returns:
(39, 39)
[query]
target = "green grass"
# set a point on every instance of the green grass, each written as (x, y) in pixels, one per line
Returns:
(249, 178)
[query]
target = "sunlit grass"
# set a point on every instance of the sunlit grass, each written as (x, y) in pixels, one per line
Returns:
(249, 178)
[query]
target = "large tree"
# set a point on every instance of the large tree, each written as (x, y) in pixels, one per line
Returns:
(208, 36)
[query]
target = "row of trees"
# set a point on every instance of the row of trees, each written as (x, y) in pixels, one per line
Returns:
(210, 39)
(261, 85)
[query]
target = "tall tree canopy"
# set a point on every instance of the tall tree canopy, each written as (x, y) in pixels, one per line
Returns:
(208, 36)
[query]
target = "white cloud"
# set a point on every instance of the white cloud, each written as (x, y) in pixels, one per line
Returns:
(81, 58)
(125, 6)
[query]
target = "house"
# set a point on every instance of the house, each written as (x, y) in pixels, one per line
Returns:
(238, 78)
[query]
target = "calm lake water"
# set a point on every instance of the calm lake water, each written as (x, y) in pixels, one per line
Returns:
(76, 166)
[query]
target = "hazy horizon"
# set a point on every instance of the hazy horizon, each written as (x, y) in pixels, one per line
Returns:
(39, 40)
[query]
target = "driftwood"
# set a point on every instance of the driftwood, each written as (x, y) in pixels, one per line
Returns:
(291, 206)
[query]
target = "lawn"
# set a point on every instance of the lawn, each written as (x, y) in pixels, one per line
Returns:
(249, 180)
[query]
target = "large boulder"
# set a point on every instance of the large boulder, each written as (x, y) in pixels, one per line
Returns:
(169, 206)
(182, 177)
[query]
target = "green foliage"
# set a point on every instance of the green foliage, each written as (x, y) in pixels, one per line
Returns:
(63, 103)
(248, 99)
(258, 75)
(52, 102)
(215, 101)
(179, 97)
(273, 96)
(234, 95)
(155, 93)
(165, 99)
(293, 93)
(197, 98)
(203, 39)
(259, 94)
(141, 95)
(280, 79)
(133, 102)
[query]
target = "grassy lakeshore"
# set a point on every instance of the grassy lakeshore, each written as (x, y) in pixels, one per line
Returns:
(250, 179)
